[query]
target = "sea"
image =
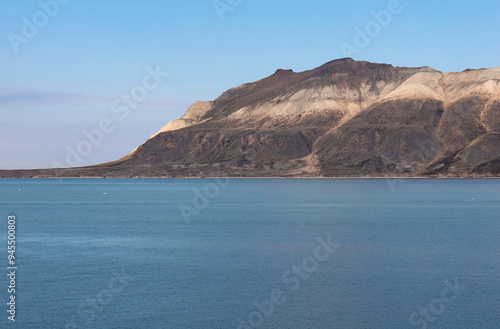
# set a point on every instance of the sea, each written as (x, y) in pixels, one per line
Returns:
(250, 253)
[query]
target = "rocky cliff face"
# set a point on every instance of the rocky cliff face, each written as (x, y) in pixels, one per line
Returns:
(345, 118)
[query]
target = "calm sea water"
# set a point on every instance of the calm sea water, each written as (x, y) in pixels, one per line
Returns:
(250, 253)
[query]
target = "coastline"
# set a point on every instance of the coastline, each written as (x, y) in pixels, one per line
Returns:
(270, 177)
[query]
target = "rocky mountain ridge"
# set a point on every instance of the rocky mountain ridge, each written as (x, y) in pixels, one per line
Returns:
(343, 119)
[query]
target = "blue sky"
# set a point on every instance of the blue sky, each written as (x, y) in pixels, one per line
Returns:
(64, 78)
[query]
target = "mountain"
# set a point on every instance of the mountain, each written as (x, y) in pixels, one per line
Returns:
(343, 119)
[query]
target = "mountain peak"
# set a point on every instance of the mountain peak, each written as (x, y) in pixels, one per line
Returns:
(344, 118)
(279, 71)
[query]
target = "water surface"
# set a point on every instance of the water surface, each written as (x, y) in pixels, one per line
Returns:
(204, 264)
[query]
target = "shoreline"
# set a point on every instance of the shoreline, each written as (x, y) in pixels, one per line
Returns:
(344, 178)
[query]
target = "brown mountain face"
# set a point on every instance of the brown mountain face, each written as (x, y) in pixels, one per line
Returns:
(345, 118)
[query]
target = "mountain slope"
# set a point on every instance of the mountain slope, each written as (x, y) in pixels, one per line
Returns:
(345, 118)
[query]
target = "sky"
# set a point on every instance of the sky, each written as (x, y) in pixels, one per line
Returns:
(86, 82)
